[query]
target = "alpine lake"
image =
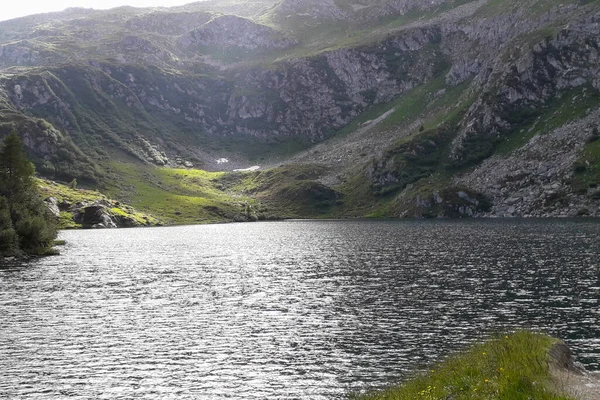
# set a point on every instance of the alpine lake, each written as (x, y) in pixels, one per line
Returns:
(286, 310)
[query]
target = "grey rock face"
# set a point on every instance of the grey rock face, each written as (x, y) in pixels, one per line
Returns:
(309, 97)
(94, 216)
(571, 59)
(235, 32)
(169, 23)
(52, 204)
(527, 184)
(18, 54)
(325, 9)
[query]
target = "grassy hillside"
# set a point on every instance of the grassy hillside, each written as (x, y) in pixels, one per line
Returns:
(178, 196)
(189, 196)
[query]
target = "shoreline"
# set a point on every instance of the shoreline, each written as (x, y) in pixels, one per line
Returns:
(522, 364)
(581, 219)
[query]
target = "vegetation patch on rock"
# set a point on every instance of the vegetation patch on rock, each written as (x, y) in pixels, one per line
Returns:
(81, 208)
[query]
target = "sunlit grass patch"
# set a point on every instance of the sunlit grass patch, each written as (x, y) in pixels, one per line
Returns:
(75, 197)
(178, 196)
(511, 367)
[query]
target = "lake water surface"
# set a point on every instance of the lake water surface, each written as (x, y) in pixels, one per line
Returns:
(286, 310)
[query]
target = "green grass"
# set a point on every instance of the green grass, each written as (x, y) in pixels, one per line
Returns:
(190, 196)
(413, 103)
(360, 200)
(63, 192)
(73, 196)
(178, 196)
(512, 367)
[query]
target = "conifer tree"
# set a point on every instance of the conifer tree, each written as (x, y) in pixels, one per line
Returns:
(16, 172)
(25, 222)
(8, 236)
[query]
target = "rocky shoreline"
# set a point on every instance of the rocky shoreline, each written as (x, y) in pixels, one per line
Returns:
(571, 377)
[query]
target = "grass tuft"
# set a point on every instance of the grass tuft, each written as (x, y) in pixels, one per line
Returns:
(511, 367)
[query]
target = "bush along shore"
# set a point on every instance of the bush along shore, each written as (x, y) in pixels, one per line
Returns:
(519, 366)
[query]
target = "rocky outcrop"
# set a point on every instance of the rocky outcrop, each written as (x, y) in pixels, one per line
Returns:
(19, 53)
(533, 77)
(52, 204)
(451, 202)
(309, 9)
(169, 23)
(80, 208)
(311, 97)
(106, 214)
(535, 180)
(570, 376)
(229, 31)
(94, 216)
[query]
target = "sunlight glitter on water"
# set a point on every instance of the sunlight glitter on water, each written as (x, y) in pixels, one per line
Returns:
(286, 310)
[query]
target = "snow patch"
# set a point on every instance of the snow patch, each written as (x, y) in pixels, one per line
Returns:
(254, 168)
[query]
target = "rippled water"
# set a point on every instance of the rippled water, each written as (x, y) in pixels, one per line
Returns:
(285, 310)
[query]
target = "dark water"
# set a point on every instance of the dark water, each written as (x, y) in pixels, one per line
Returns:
(290, 310)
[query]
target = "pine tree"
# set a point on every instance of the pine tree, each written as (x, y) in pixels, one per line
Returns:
(16, 172)
(8, 237)
(25, 222)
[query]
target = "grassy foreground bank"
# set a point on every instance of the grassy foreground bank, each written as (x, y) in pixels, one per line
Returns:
(512, 367)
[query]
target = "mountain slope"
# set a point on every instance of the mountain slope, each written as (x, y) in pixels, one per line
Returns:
(405, 108)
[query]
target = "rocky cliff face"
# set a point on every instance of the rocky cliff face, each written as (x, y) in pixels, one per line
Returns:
(307, 98)
(229, 31)
(322, 9)
(176, 23)
(178, 86)
(537, 179)
(541, 93)
(530, 79)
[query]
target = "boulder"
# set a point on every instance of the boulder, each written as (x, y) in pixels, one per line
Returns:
(94, 216)
(53, 207)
